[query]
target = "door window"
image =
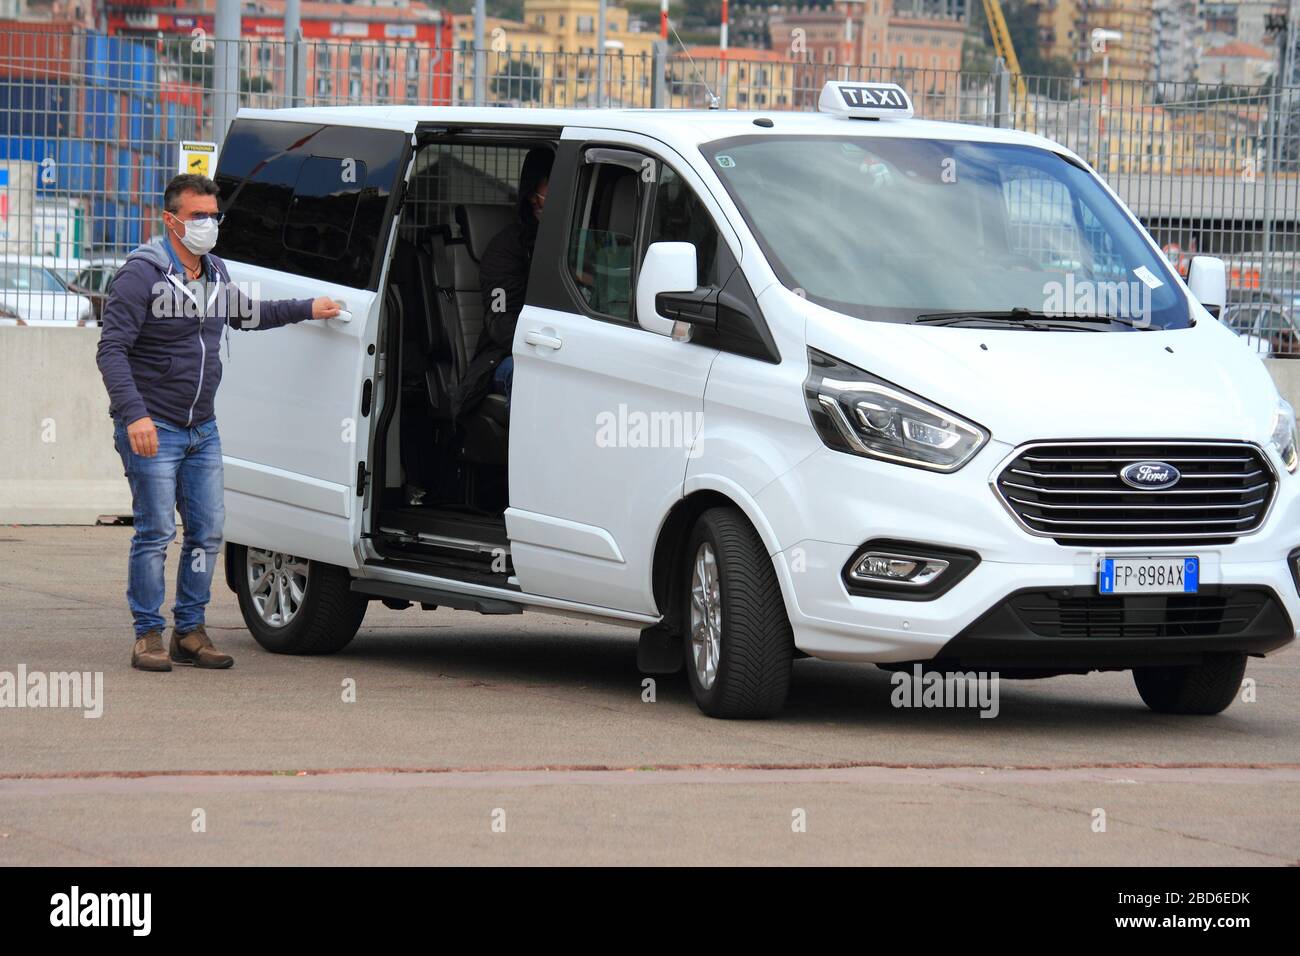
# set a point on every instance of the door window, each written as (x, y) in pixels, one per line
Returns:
(603, 242)
(324, 204)
(605, 247)
(679, 216)
(308, 199)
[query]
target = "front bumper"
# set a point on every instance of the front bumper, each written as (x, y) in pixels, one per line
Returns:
(824, 527)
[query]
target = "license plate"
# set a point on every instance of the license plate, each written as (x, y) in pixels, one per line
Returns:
(1149, 575)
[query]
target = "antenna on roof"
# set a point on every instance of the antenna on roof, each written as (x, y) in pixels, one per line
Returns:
(713, 100)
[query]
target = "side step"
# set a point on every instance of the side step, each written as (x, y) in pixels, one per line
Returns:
(434, 596)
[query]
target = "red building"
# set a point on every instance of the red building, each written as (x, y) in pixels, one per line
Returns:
(400, 53)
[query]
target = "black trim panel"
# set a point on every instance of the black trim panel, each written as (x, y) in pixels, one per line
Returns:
(1075, 629)
(960, 564)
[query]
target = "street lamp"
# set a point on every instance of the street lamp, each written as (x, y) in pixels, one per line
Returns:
(1100, 38)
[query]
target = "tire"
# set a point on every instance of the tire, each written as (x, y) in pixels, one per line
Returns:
(747, 673)
(1202, 689)
(322, 621)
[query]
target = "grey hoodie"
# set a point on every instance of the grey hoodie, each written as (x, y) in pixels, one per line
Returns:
(158, 348)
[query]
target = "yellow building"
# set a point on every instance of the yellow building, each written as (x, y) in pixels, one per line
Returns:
(573, 24)
(1058, 26)
(549, 57)
(741, 79)
(1224, 140)
(1137, 139)
(1065, 30)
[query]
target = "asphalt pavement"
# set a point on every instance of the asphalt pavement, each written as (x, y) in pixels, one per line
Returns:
(530, 739)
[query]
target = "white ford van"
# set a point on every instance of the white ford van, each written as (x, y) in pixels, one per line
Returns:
(845, 384)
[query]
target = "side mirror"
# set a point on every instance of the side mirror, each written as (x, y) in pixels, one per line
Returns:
(1207, 278)
(667, 267)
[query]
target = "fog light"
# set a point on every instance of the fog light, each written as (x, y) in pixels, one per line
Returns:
(1294, 560)
(877, 566)
(905, 570)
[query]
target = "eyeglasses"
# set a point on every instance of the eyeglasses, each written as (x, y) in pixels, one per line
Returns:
(203, 217)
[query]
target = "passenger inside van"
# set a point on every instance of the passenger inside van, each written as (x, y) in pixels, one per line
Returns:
(503, 277)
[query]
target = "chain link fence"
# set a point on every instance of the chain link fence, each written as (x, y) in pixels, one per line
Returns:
(91, 127)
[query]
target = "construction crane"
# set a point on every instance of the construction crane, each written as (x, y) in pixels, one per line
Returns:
(1002, 44)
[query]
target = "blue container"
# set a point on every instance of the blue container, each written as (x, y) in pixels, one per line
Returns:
(35, 108)
(128, 232)
(142, 126)
(168, 160)
(98, 60)
(101, 114)
(26, 147)
(176, 126)
(80, 167)
(144, 69)
(152, 179)
(103, 221)
(119, 63)
(125, 167)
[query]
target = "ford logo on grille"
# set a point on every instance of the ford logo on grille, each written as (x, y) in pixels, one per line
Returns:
(1150, 475)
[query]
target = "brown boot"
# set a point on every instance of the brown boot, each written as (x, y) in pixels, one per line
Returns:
(148, 653)
(195, 647)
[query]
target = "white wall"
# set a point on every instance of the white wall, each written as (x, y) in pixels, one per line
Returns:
(57, 461)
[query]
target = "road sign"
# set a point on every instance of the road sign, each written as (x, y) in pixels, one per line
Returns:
(198, 157)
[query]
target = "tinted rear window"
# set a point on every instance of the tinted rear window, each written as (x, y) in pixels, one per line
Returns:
(308, 199)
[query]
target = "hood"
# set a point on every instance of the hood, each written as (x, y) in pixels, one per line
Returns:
(54, 307)
(153, 252)
(1196, 383)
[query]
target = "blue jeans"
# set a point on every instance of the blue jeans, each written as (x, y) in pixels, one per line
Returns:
(504, 377)
(185, 474)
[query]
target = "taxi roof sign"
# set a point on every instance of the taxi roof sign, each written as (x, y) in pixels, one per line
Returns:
(865, 100)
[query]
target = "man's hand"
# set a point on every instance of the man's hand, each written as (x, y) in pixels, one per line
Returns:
(144, 437)
(323, 307)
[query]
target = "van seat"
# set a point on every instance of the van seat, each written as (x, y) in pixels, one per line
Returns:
(479, 224)
(460, 309)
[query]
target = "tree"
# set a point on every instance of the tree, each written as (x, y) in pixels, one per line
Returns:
(517, 81)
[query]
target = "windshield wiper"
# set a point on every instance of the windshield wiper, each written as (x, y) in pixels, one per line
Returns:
(1029, 319)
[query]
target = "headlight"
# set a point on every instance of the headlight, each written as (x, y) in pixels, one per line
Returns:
(856, 412)
(1284, 435)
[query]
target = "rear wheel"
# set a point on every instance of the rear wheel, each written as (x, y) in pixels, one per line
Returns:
(739, 648)
(295, 606)
(1199, 689)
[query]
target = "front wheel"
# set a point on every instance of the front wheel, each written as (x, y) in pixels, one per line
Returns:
(739, 648)
(295, 606)
(1202, 689)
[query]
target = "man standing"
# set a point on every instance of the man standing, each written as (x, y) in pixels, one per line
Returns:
(159, 354)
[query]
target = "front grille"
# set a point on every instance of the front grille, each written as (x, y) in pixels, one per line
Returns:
(1224, 612)
(1072, 492)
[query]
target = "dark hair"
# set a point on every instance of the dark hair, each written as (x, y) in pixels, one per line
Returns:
(187, 183)
(536, 168)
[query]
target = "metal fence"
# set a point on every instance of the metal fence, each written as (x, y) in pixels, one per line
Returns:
(90, 127)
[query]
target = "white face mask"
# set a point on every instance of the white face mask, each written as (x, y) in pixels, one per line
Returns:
(200, 236)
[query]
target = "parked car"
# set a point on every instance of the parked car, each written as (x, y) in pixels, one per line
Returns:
(32, 294)
(1268, 328)
(93, 279)
(760, 408)
(65, 267)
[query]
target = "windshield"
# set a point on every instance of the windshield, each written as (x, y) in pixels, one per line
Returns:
(897, 230)
(25, 278)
